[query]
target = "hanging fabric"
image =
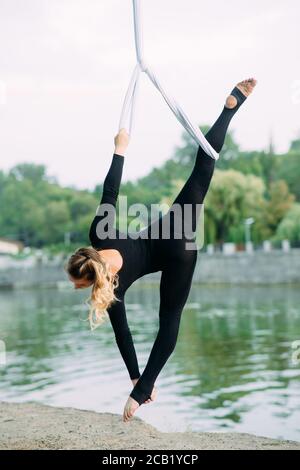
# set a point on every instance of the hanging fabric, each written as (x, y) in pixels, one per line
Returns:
(127, 114)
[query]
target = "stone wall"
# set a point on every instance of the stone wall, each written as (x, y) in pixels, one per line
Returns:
(275, 267)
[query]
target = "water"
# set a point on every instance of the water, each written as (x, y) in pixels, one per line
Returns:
(232, 369)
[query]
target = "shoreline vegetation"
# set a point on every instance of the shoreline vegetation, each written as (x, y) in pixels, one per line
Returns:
(261, 186)
(26, 426)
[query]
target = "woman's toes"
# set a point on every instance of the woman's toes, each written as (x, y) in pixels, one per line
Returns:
(246, 86)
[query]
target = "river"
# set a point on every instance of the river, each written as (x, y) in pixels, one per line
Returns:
(232, 369)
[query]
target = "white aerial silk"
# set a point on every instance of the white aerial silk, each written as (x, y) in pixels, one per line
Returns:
(127, 113)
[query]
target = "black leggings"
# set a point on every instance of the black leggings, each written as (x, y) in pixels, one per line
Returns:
(179, 263)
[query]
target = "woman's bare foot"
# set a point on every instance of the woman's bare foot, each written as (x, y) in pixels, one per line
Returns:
(130, 408)
(153, 396)
(246, 87)
(132, 405)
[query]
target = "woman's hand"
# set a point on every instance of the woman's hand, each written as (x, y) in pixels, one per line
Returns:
(121, 142)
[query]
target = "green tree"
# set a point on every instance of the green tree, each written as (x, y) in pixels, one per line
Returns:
(289, 171)
(289, 227)
(29, 171)
(295, 145)
(21, 213)
(57, 220)
(279, 202)
(232, 198)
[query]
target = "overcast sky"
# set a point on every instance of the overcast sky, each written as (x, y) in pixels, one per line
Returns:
(65, 66)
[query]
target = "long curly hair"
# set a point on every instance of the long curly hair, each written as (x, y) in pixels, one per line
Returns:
(87, 264)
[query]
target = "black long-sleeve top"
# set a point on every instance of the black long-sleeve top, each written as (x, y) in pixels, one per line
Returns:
(137, 261)
(150, 251)
(148, 254)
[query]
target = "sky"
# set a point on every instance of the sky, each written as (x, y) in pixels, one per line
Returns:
(65, 66)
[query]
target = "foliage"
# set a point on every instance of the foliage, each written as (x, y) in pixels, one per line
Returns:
(36, 210)
(289, 227)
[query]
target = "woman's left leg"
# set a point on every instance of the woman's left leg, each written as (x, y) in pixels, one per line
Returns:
(195, 188)
(175, 284)
(179, 264)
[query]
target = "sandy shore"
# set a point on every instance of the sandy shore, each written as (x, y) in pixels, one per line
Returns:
(35, 426)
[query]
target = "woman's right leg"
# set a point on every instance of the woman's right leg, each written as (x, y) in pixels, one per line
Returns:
(195, 188)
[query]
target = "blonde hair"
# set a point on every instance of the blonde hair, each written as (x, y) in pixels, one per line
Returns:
(87, 264)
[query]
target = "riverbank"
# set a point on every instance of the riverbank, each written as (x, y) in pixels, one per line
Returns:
(35, 426)
(257, 268)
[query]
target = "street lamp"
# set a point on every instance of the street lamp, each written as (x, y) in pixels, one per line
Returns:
(248, 222)
(67, 238)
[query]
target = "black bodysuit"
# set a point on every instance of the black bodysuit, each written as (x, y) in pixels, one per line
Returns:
(147, 255)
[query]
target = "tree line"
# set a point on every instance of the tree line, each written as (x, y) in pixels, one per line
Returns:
(263, 185)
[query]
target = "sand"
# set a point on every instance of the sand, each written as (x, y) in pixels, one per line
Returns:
(35, 426)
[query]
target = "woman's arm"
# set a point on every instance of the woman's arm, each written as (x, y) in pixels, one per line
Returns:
(113, 178)
(110, 193)
(112, 181)
(118, 318)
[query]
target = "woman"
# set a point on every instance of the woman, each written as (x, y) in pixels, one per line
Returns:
(112, 264)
